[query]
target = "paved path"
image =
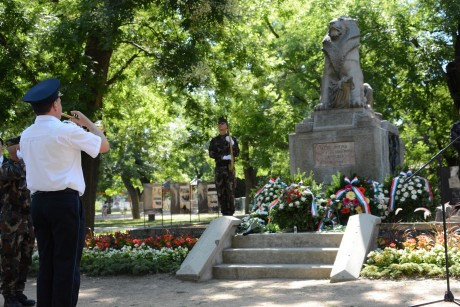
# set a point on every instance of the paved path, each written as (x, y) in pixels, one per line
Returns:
(164, 290)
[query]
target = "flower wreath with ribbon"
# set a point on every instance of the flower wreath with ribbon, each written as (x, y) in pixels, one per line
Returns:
(348, 200)
(401, 189)
(267, 196)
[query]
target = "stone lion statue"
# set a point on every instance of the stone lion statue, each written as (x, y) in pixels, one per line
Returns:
(342, 82)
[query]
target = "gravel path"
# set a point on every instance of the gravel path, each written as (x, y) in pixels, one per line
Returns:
(164, 290)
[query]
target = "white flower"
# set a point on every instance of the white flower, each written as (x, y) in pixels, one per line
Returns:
(281, 206)
(418, 185)
(303, 199)
(419, 192)
(271, 194)
(267, 198)
(398, 192)
(291, 205)
(414, 197)
(413, 192)
(403, 199)
(396, 197)
(297, 203)
(410, 187)
(406, 194)
(333, 196)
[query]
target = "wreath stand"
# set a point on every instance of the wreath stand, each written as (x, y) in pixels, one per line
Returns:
(448, 296)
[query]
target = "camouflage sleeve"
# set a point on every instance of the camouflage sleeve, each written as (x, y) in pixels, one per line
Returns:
(213, 150)
(11, 170)
(235, 147)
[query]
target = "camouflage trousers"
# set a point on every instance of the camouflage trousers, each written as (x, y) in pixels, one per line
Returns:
(225, 186)
(17, 241)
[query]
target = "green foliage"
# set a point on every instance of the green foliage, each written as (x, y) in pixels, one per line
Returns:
(132, 261)
(160, 72)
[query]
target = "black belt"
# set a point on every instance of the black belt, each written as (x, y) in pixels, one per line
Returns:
(65, 191)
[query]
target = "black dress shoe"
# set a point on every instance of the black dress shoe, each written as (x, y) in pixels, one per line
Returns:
(11, 301)
(22, 298)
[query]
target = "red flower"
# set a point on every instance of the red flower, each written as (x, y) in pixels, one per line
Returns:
(345, 210)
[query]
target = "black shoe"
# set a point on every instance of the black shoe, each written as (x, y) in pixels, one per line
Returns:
(12, 301)
(22, 298)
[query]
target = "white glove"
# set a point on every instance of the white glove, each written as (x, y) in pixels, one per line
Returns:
(227, 138)
(227, 157)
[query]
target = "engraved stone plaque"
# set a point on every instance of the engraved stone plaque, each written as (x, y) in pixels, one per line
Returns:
(334, 154)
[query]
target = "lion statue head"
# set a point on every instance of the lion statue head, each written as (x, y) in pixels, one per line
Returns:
(342, 83)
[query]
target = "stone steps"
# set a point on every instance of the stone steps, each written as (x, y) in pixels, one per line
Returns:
(287, 255)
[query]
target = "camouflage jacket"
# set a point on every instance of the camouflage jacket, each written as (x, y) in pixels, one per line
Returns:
(219, 147)
(15, 197)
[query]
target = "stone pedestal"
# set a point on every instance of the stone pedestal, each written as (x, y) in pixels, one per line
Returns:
(352, 141)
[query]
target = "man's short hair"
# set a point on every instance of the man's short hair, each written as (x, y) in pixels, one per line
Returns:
(42, 108)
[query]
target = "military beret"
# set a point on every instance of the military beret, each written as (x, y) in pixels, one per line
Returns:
(44, 92)
(222, 120)
(13, 141)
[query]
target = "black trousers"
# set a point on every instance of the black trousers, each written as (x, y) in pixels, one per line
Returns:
(60, 231)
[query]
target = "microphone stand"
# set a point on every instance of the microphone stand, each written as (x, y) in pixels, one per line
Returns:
(448, 296)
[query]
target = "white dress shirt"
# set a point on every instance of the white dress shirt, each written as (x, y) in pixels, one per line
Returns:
(51, 150)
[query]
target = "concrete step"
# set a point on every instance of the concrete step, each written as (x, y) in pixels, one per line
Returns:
(306, 255)
(289, 240)
(260, 271)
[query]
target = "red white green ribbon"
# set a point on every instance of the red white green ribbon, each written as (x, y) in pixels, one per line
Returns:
(359, 195)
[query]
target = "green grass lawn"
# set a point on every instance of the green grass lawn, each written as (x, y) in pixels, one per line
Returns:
(177, 220)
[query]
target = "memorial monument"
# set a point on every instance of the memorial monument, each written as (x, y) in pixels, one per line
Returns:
(344, 133)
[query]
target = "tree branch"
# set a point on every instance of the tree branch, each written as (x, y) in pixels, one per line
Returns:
(270, 27)
(119, 72)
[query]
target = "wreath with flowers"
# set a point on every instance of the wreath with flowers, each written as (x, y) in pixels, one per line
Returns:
(296, 207)
(267, 196)
(408, 195)
(355, 196)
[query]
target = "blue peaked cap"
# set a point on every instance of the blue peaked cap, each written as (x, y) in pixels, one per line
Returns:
(44, 92)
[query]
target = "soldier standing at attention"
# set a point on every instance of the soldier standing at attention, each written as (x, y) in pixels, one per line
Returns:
(223, 149)
(52, 153)
(17, 234)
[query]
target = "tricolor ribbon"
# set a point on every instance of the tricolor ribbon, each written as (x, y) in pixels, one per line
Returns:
(261, 189)
(394, 185)
(328, 214)
(359, 195)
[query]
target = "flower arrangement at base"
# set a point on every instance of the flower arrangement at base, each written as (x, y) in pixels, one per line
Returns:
(410, 198)
(296, 207)
(356, 196)
(266, 197)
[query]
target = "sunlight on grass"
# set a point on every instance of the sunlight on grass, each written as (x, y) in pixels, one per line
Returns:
(166, 220)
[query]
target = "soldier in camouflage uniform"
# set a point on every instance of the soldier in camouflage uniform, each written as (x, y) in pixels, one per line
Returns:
(219, 150)
(17, 237)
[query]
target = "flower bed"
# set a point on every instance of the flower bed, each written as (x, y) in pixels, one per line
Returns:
(412, 252)
(119, 253)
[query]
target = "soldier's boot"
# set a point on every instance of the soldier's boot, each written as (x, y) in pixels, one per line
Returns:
(11, 301)
(22, 298)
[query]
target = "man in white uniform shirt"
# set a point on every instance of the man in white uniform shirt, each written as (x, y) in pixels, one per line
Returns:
(51, 150)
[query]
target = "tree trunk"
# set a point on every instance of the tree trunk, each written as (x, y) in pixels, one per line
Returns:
(90, 168)
(95, 79)
(134, 195)
(250, 173)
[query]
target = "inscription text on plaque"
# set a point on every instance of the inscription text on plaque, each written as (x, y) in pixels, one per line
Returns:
(334, 154)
